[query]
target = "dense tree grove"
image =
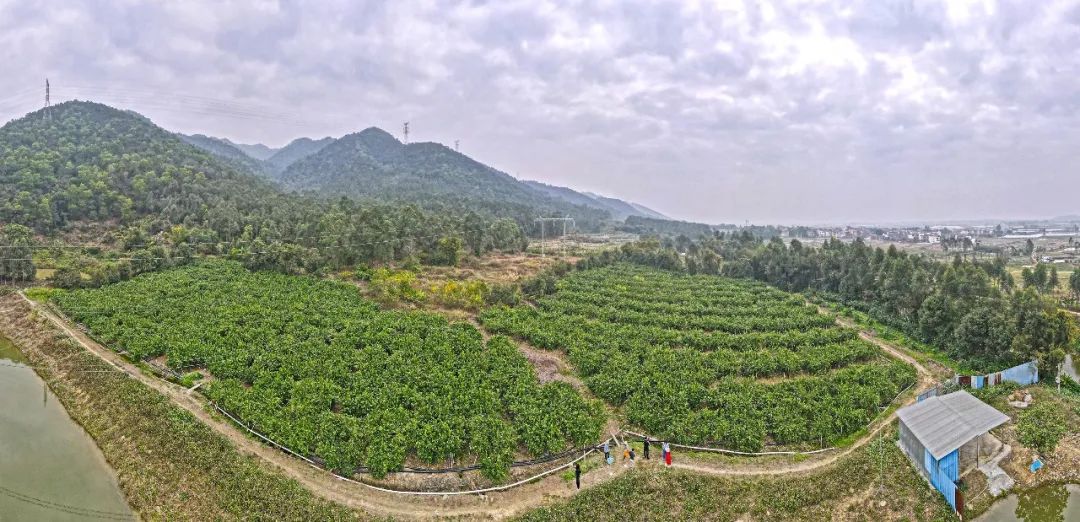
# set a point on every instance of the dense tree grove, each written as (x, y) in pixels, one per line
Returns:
(972, 310)
(685, 354)
(167, 201)
(321, 370)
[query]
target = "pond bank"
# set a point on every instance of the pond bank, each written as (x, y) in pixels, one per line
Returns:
(50, 469)
(1049, 503)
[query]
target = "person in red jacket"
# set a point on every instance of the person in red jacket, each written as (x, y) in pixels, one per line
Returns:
(667, 454)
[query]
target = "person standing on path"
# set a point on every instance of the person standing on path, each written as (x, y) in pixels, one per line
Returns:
(667, 453)
(646, 449)
(577, 474)
(607, 453)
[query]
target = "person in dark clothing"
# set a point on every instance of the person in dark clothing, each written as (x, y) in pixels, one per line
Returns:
(577, 474)
(646, 449)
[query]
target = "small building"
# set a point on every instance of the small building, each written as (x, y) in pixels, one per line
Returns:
(942, 438)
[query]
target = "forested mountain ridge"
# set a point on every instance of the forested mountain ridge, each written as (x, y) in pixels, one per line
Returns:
(255, 150)
(166, 201)
(372, 164)
(226, 150)
(296, 150)
(618, 208)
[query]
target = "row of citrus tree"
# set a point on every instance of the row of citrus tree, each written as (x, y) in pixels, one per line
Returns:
(316, 367)
(796, 380)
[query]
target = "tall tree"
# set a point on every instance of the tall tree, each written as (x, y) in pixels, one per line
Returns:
(15, 248)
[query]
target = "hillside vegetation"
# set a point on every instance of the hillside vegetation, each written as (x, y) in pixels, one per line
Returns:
(91, 162)
(164, 201)
(296, 150)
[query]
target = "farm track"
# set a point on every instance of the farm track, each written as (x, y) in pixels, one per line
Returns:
(498, 505)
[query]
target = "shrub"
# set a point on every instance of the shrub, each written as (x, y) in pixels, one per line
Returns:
(1041, 426)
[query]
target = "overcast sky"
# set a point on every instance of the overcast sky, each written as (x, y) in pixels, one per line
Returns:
(782, 112)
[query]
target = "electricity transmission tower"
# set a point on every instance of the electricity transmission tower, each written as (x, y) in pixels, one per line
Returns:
(406, 132)
(456, 149)
(565, 220)
(48, 103)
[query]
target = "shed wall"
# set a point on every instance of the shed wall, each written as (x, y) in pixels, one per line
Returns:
(913, 448)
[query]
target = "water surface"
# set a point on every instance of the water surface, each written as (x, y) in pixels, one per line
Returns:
(50, 469)
(1059, 503)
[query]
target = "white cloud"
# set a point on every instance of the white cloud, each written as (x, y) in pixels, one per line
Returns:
(722, 111)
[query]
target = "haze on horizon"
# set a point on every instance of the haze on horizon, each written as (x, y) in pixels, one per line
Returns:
(787, 112)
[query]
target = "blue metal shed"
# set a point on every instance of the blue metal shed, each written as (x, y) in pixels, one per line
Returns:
(933, 430)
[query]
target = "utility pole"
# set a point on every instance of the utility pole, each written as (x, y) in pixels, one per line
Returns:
(406, 132)
(544, 220)
(48, 103)
(456, 149)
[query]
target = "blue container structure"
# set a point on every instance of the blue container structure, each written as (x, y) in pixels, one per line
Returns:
(933, 432)
(944, 473)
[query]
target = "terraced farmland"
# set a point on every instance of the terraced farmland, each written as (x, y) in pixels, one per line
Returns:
(323, 371)
(710, 359)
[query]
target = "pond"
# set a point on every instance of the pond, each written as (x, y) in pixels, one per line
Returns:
(50, 469)
(1058, 503)
(1072, 367)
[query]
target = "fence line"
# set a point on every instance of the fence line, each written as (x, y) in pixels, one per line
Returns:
(733, 452)
(398, 491)
(764, 453)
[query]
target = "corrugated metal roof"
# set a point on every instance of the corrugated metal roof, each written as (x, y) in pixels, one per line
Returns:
(943, 424)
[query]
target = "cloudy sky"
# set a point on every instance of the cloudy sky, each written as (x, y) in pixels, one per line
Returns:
(772, 112)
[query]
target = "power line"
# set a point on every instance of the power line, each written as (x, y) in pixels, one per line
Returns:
(64, 508)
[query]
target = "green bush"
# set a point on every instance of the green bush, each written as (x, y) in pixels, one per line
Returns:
(1041, 426)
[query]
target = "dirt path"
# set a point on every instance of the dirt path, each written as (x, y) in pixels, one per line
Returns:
(549, 365)
(498, 505)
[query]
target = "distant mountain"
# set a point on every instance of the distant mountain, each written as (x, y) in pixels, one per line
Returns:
(618, 208)
(648, 211)
(227, 150)
(296, 150)
(373, 164)
(667, 227)
(258, 150)
(625, 208)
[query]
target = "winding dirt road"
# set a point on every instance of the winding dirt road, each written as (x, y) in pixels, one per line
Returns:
(498, 505)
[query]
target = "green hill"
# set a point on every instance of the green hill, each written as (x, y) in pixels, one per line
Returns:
(255, 150)
(226, 150)
(87, 161)
(296, 150)
(372, 164)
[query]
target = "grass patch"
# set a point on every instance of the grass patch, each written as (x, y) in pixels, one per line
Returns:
(848, 490)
